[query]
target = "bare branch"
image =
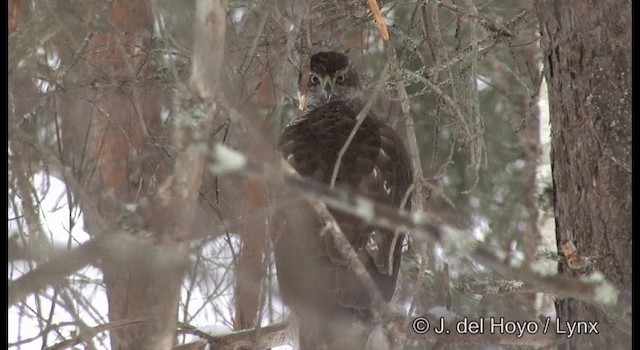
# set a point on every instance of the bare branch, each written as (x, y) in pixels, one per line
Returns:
(273, 335)
(425, 227)
(480, 46)
(382, 27)
(52, 272)
(86, 335)
(418, 203)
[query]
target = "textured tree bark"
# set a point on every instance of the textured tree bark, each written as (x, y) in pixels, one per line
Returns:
(103, 131)
(107, 130)
(251, 268)
(587, 46)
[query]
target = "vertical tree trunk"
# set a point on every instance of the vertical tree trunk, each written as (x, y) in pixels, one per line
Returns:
(103, 132)
(587, 46)
(250, 268)
(107, 126)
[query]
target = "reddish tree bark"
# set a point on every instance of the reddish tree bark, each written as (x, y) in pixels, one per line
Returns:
(251, 268)
(109, 127)
(15, 7)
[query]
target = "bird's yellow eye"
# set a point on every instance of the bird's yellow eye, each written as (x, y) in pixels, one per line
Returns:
(314, 79)
(340, 78)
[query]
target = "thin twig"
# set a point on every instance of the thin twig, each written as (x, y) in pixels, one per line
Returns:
(418, 203)
(87, 334)
(362, 115)
(382, 27)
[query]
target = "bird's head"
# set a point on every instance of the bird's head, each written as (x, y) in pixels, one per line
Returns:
(331, 77)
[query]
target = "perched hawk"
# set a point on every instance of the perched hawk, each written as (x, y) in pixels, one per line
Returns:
(330, 302)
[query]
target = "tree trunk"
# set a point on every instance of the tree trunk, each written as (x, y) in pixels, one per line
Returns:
(104, 133)
(251, 265)
(108, 134)
(587, 46)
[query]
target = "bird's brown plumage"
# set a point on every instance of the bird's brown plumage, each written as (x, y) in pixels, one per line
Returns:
(314, 278)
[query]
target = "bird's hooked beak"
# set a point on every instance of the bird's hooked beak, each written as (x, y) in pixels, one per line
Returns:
(327, 87)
